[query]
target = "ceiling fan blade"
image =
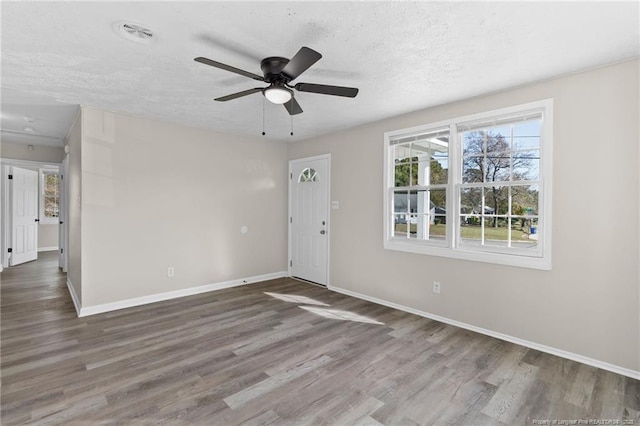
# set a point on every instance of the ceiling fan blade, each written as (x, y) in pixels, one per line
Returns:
(293, 107)
(239, 94)
(349, 92)
(300, 62)
(225, 67)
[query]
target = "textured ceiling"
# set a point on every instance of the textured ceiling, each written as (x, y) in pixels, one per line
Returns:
(403, 56)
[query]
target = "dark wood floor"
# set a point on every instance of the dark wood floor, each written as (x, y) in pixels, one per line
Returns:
(279, 352)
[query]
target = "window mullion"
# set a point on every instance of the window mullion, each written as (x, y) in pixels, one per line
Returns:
(455, 176)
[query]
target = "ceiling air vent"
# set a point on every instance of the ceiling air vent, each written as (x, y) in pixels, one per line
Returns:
(135, 32)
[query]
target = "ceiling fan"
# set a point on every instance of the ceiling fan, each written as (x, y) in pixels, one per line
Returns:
(279, 73)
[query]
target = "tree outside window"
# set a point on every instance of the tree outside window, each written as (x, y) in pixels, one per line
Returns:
(51, 194)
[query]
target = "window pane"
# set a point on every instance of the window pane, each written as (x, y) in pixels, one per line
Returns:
(524, 233)
(431, 201)
(421, 150)
(438, 214)
(402, 153)
(417, 202)
(418, 173)
(439, 170)
(470, 231)
(401, 201)
(473, 143)
(418, 226)
(497, 166)
(51, 194)
(403, 174)
(51, 208)
(400, 225)
(479, 142)
(495, 229)
(308, 175)
(422, 227)
(526, 135)
(496, 200)
(524, 200)
(471, 201)
(526, 165)
(438, 202)
(473, 169)
(429, 172)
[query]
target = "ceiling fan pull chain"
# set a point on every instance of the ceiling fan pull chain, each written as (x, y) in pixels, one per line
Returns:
(263, 133)
(291, 125)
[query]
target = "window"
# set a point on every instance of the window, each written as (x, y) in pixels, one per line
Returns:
(49, 196)
(308, 175)
(475, 187)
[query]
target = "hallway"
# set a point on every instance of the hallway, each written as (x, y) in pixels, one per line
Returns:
(41, 278)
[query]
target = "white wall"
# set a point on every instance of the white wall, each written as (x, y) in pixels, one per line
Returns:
(48, 236)
(589, 303)
(158, 195)
(17, 151)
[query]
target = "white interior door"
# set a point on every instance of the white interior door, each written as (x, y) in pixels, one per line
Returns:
(309, 219)
(24, 216)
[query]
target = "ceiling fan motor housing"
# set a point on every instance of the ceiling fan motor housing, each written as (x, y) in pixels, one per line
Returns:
(272, 68)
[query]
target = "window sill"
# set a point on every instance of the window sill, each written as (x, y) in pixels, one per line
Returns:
(541, 263)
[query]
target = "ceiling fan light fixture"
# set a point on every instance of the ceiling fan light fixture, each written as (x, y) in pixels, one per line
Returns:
(278, 95)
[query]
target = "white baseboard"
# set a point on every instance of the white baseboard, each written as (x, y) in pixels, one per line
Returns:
(128, 303)
(74, 297)
(47, 249)
(542, 348)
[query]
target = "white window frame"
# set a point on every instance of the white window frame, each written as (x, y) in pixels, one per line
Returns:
(43, 220)
(453, 248)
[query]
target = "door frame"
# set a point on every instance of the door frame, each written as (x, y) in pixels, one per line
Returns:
(289, 211)
(5, 195)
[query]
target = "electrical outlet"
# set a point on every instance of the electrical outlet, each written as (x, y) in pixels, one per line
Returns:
(436, 287)
(171, 271)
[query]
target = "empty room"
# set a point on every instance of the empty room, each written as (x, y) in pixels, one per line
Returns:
(320, 213)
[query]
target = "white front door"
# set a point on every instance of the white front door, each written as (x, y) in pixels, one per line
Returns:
(309, 219)
(24, 216)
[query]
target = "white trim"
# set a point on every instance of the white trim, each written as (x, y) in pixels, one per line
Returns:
(289, 213)
(6, 216)
(47, 249)
(516, 340)
(144, 300)
(74, 298)
(29, 163)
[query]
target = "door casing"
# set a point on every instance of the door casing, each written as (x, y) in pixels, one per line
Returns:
(5, 213)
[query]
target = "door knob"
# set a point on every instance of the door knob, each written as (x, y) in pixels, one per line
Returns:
(323, 232)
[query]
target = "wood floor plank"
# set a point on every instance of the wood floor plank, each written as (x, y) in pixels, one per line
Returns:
(280, 352)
